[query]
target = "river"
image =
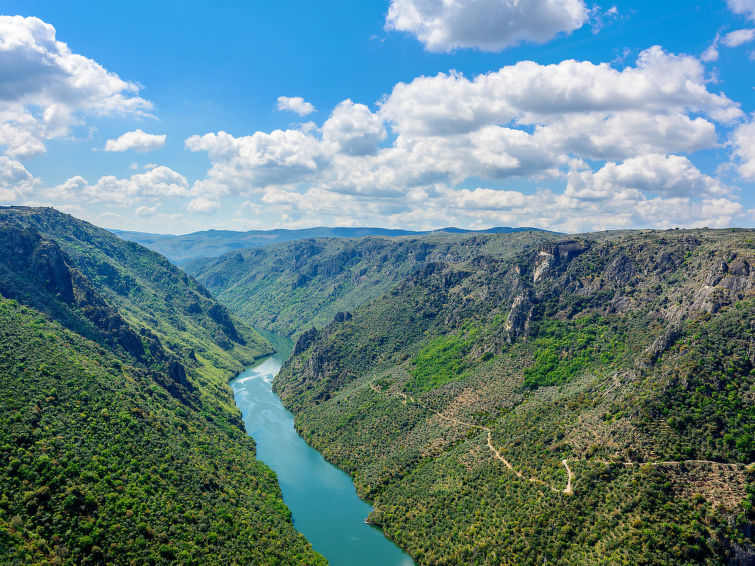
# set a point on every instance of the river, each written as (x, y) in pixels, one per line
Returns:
(322, 498)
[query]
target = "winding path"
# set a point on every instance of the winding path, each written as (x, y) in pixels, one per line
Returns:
(569, 489)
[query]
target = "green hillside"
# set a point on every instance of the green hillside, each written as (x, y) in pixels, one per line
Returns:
(120, 442)
(578, 401)
(286, 288)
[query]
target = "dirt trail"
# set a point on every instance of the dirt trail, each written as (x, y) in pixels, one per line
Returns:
(497, 454)
(570, 475)
(569, 489)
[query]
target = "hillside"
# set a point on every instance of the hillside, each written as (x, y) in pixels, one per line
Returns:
(585, 400)
(120, 441)
(213, 243)
(287, 288)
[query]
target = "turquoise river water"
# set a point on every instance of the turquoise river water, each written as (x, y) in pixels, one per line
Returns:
(322, 498)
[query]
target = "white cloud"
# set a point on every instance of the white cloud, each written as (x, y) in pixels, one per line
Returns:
(203, 205)
(146, 211)
(295, 104)
(355, 129)
(489, 25)
(408, 162)
(743, 141)
(654, 174)
(15, 180)
(430, 207)
(45, 89)
(523, 120)
(529, 93)
(745, 7)
(711, 53)
(159, 183)
(738, 37)
(136, 140)
(282, 156)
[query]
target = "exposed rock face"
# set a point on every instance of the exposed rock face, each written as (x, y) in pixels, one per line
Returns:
(32, 256)
(567, 251)
(305, 340)
(543, 264)
(723, 285)
(519, 315)
(559, 254)
(621, 270)
(41, 257)
(177, 373)
(660, 345)
(740, 268)
(50, 267)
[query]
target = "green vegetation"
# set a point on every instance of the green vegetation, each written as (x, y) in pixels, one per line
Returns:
(628, 355)
(566, 350)
(502, 399)
(213, 243)
(100, 464)
(289, 287)
(119, 440)
(706, 401)
(441, 361)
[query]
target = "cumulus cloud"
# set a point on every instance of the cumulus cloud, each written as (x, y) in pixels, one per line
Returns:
(523, 120)
(15, 180)
(738, 37)
(355, 129)
(146, 211)
(654, 174)
(489, 25)
(203, 205)
(281, 156)
(530, 93)
(744, 7)
(46, 89)
(295, 104)
(156, 184)
(743, 141)
(136, 140)
(409, 162)
(441, 205)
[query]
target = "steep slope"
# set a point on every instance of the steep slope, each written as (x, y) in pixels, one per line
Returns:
(213, 243)
(584, 401)
(120, 441)
(283, 287)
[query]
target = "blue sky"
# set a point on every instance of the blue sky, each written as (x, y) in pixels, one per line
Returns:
(561, 114)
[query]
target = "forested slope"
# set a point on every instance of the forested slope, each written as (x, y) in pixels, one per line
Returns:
(585, 400)
(289, 287)
(120, 441)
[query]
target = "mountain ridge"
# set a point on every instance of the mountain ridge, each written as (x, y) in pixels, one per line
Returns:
(213, 243)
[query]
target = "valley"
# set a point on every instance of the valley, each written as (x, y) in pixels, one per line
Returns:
(585, 399)
(323, 502)
(512, 398)
(393, 283)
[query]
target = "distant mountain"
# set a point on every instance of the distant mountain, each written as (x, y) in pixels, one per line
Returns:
(285, 286)
(214, 243)
(119, 438)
